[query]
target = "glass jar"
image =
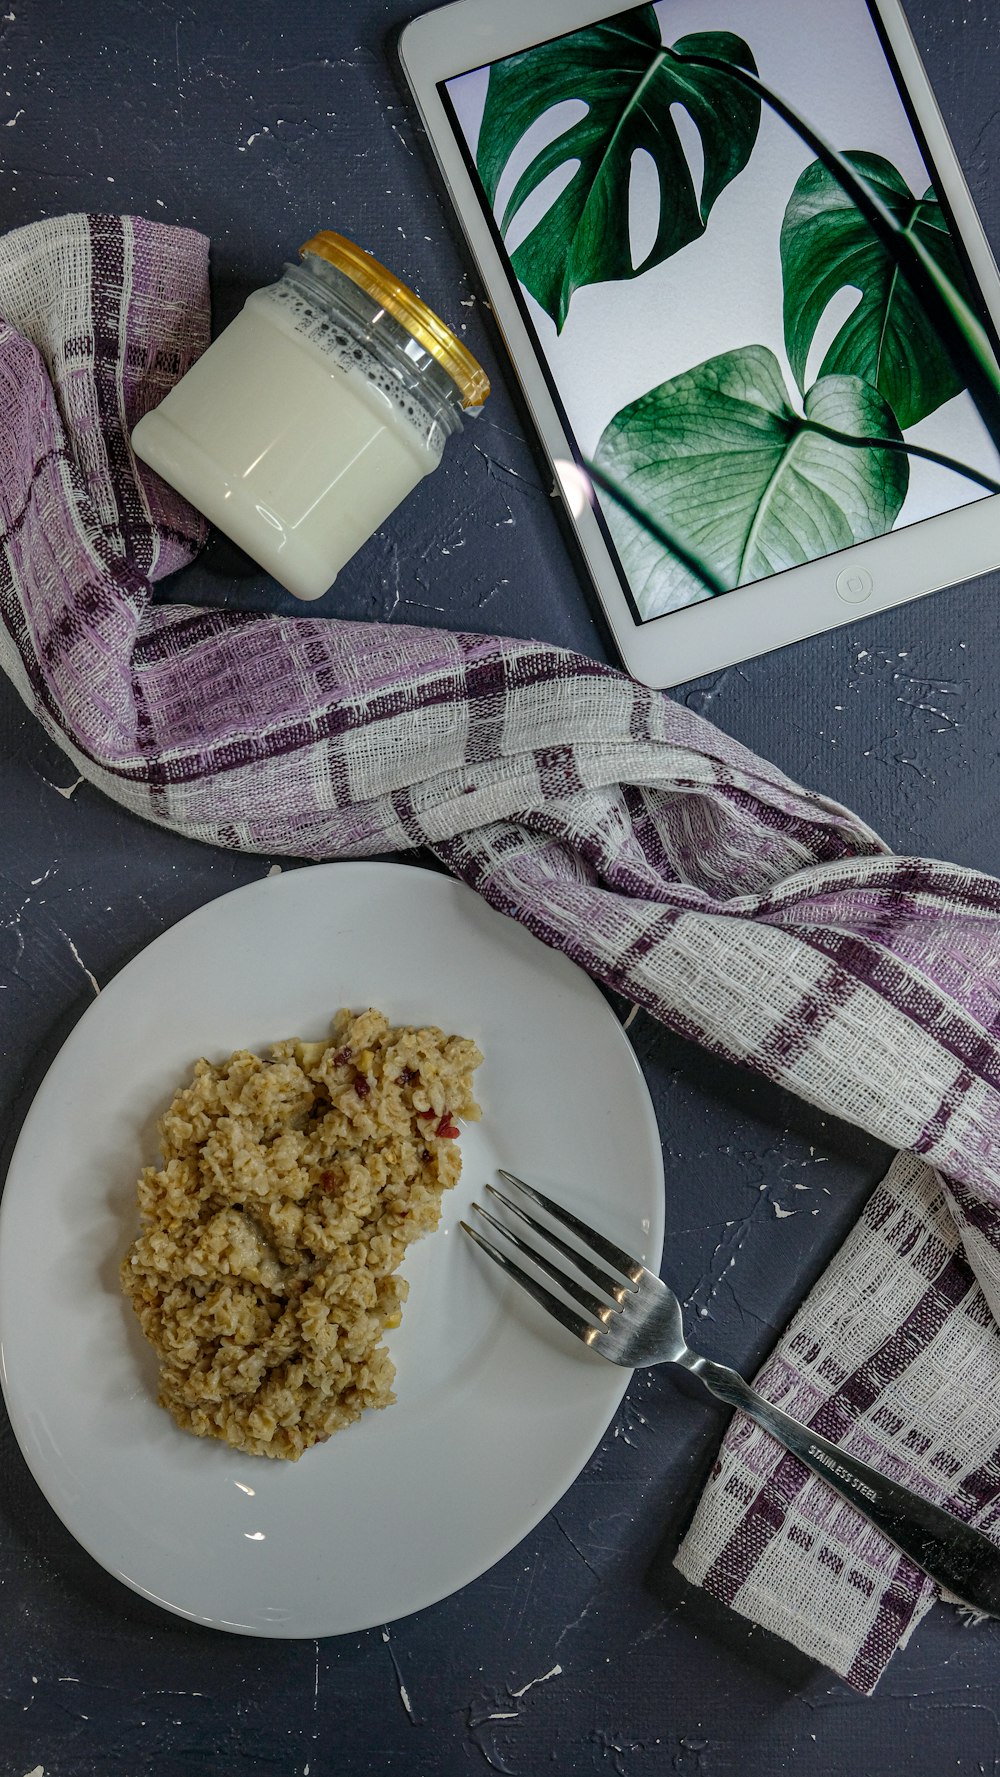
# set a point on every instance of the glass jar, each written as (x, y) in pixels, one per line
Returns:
(314, 414)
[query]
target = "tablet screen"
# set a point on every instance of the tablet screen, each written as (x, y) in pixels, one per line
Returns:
(738, 359)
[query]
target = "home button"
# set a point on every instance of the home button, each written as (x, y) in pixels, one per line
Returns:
(855, 585)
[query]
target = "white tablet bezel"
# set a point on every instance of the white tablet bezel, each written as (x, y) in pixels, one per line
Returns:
(800, 602)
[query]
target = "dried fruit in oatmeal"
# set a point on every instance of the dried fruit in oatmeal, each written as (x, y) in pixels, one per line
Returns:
(265, 1270)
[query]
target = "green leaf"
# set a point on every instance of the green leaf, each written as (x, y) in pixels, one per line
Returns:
(721, 459)
(826, 245)
(628, 80)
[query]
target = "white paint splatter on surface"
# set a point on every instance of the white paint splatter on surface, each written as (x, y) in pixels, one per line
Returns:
(66, 790)
(91, 978)
(404, 1695)
(553, 1672)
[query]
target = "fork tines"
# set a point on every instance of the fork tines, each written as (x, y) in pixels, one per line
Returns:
(616, 1288)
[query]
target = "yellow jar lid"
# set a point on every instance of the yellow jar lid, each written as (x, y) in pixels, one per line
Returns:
(399, 301)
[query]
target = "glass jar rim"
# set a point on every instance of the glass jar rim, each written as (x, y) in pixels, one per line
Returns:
(406, 307)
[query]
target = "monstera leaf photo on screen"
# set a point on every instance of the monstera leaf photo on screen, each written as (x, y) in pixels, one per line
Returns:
(759, 457)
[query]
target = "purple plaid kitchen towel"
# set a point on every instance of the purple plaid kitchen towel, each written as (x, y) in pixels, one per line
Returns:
(759, 919)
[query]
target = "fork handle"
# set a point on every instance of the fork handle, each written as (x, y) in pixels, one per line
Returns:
(959, 1559)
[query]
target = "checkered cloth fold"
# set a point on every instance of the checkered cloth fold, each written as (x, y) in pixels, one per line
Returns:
(763, 921)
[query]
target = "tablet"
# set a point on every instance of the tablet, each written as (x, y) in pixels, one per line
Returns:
(747, 298)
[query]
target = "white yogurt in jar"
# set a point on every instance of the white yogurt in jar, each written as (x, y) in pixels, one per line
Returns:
(305, 424)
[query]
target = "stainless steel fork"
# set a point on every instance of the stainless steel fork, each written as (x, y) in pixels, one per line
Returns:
(636, 1320)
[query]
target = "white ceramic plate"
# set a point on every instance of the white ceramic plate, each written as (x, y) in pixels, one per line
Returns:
(497, 1408)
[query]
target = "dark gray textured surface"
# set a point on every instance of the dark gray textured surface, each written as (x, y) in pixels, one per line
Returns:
(257, 123)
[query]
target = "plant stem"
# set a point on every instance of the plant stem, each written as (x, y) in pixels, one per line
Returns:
(687, 557)
(964, 334)
(910, 450)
